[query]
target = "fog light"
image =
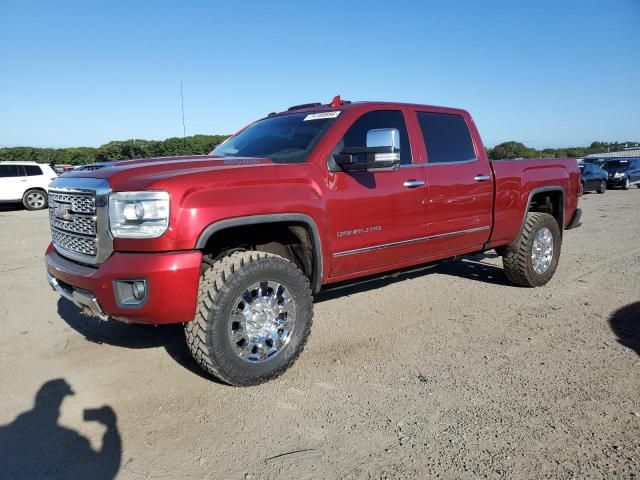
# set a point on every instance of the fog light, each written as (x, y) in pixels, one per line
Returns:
(139, 290)
(130, 293)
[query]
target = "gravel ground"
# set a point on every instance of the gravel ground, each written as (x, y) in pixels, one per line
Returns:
(447, 372)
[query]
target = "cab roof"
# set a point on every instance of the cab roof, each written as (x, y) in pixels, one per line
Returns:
(337, 103)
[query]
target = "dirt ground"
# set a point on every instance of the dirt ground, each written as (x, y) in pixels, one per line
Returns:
(447, 372)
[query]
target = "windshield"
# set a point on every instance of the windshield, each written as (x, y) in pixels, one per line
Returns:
(283, 139)
(616, 165)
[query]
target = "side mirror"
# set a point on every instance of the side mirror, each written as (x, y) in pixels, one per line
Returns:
(382, 152)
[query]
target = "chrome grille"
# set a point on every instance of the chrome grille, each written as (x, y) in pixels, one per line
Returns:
(80, 203)
(79, 218)
(73, 222)
(75, 243)
(85, 225)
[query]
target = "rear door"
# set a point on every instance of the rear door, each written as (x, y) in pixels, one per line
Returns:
(376, 219)
(460, 184)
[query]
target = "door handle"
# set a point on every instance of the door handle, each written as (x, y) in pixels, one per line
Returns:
(413, 183)
(482, 178)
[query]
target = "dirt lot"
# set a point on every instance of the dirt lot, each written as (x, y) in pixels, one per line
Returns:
(444, 373)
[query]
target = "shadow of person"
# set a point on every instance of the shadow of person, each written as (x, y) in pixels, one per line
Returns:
(625, 323)
(34, 445)
(134, 336)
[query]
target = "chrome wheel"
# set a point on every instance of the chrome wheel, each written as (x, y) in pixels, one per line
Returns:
(542, 251)
(35, 200)
(262, 321)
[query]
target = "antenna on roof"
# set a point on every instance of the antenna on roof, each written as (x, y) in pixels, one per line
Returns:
(184, 129)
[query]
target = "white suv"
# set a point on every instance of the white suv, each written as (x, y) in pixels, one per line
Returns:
(26, 182)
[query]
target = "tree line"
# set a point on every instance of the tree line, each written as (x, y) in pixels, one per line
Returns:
(515, 149)
(116, 150)
(203, 144)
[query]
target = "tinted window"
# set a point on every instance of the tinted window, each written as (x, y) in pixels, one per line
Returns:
(356, 136)
(613, 165)
(446, 137)
(32, 170)
(9, 171)
(284, 139)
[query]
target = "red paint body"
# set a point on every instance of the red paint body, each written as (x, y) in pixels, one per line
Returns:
(206, 189)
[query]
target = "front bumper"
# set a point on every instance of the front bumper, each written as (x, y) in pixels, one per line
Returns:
(171, 279)
(616, 182)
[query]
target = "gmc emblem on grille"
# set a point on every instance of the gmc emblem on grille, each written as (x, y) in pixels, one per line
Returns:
(62, 211)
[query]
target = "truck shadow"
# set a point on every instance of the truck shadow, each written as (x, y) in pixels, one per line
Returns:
(35, 445)
(170, 337)
(11, 207)
(470, 267)
(625, 323)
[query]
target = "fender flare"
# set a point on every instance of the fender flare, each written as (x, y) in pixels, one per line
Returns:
(555, 188)
(316, 281)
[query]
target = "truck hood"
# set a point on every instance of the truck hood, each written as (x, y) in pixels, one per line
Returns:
(139, 174)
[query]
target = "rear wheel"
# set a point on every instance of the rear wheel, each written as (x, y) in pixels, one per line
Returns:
(532, 260)
(34, 199)
(253, 319)
(603, 187)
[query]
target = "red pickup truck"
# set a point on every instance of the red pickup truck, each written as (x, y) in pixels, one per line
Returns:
(234, 244)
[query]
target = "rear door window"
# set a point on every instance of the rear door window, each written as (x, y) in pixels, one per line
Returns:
(446, 138)
(32, 170)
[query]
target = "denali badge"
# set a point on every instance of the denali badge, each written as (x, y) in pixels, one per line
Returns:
(62, 211)
(359, 231)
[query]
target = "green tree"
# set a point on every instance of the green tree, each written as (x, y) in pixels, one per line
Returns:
(511, 149)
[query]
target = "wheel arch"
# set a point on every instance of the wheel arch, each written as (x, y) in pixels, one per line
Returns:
(302, 219)
(554, 194)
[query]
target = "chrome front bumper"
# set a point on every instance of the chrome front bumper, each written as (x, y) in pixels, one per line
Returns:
(83, 299)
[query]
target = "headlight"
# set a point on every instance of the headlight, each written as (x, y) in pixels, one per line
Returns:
(138, 214)
(619, 175)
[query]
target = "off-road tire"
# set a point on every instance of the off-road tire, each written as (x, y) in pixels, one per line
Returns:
(603, 187)
(37, 191)
(517, 257)
(220, 285)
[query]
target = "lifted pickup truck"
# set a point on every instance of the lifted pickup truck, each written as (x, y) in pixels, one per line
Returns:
(234, 244)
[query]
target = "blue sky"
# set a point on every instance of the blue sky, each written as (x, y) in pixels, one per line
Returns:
(548, 73)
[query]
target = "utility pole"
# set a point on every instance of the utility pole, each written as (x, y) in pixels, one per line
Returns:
(184, 129)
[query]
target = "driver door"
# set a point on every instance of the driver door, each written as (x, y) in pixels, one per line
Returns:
(376, 218)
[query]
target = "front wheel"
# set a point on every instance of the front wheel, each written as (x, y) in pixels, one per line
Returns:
(532, 260)
(253, 317)
(34, 199)
(603, 187)
(626, 184)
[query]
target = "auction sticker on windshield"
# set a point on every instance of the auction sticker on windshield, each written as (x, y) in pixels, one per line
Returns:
(322, 115)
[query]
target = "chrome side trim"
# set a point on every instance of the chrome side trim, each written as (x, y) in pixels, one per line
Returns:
(85, 301)
(408, 242)
(462, 162)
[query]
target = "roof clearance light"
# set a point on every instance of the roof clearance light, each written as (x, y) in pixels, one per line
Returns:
(336, 102)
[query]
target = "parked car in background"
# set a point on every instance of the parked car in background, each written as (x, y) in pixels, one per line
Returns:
(26, 182)
(623, 172)
(60, 169)
(594, 178)
(93, 166)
